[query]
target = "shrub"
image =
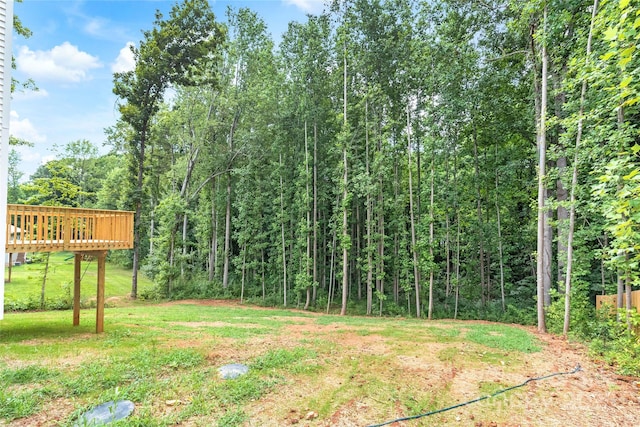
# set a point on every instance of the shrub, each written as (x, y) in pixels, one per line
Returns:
(617, 341)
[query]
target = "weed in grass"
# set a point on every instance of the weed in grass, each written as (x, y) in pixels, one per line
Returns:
(474, 355)
(320, 346)
(422, 401)
(402, 334)
(232, 418)
(449, 354)
(181, 359)
(201, 404)
(15, 405)
(487, 388)
(117, 336)
(94, 377)
(284, 359)
(26, 375)
(357, 321)
(139, 390)
(443, 334)
(235, 332)
(143, 417)
(242, 389)
(498, 358)
(503, 338)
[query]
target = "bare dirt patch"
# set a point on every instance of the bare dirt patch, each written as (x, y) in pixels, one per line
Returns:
(594, 396)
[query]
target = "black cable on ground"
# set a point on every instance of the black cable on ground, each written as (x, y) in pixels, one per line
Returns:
(414, 417)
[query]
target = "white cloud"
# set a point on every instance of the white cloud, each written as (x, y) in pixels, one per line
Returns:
(309, 6)
(29, 155)
(96, 26)
(125, 60)
(24, 129)
(64, 63)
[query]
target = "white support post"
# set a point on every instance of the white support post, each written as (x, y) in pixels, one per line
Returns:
(6, 30)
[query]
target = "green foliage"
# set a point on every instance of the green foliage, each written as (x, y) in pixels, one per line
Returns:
(618, 341)
(239, 181)
(583, 319)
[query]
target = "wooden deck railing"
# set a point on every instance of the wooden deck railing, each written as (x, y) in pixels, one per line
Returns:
(53, 229)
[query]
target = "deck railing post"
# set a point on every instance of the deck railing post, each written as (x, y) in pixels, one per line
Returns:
(76, 289)
(100, 297)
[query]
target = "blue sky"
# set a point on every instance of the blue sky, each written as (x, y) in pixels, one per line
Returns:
(75, 48)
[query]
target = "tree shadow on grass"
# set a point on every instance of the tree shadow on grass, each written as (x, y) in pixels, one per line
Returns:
(14, 329)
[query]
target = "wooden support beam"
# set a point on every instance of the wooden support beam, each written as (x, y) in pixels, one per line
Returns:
(102, 255)
(76, 289)
(10, 265)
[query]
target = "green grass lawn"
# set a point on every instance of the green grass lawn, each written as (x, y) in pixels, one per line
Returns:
(24, 290)
(165, 358)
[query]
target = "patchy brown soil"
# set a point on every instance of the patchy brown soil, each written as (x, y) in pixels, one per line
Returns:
(594, 396)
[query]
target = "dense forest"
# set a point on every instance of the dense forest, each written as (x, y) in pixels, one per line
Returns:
(464, 159)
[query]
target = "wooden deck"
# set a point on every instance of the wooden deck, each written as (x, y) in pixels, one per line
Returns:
(55, 229)
(82, 231)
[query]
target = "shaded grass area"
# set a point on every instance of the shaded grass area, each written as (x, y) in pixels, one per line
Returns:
(24, 290)
(165, 359)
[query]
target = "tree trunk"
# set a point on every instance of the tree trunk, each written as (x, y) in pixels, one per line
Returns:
(542, 191)
(214, 233)
(380, 266)
(307, 261)
(345, 237)
(447, 241)
(548, 249)
(171, 255)
(457, 290)
(369, 214)
(562, 217)
(282, 235)
(414, 246)
(345, 196)
(431, 234)
(184, 243)
(315, 210)
(500, 252)
(44, 281)
(152, 225)
(628, 299)
(227, 236)
(481, 255)
(574, 185)
(227, 231)
(244, 270)
(332, 269)
(264, 280)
